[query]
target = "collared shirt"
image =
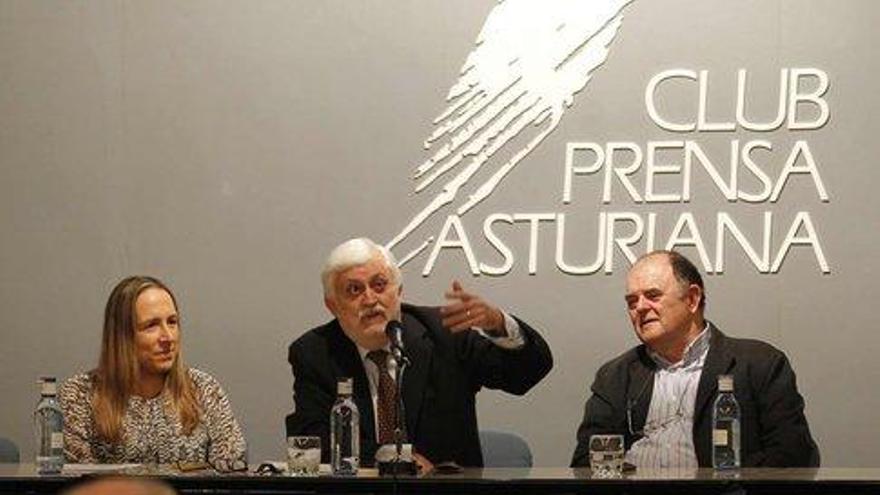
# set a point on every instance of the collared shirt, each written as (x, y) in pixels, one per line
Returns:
(513, 340)
(668, 432)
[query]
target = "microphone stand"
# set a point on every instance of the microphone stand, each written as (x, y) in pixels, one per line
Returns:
(399, 465)
(399, 428)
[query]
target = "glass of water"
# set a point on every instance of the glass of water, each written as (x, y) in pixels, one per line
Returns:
(606, 456)
(303, 456)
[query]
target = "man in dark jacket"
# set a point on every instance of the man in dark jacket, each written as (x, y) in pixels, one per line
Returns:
(454, 351)
(659, 395)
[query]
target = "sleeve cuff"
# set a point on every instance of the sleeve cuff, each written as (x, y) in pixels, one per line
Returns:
(514, 338)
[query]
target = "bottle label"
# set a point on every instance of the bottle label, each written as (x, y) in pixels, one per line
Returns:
(719, 438)
(725, 383)
(48, 388)
(57, 440)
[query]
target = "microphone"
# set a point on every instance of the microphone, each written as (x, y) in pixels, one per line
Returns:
(394, 331)
(397, 458)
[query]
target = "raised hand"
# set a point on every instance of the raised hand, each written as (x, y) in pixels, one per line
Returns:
(466, 310)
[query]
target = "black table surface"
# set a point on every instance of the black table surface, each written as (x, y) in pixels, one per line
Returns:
(22, 478)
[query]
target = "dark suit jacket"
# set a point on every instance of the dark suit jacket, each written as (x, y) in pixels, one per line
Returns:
(773, 429)
(439, 387)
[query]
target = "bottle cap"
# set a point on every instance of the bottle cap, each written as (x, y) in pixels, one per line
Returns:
(725, 383)
(344, 386)
(47, 385)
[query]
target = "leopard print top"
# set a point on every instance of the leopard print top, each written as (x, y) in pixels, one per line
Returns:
(152, 432)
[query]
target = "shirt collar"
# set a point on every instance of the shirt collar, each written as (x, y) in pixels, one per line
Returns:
(363, 351)
(694, 351)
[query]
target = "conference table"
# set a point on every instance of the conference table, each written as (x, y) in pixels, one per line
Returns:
(22, 478)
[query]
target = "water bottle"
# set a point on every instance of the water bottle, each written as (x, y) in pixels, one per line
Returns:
(344, 432)
(49, 429)
(725, 426)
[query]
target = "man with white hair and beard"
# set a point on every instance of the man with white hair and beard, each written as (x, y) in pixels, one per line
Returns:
(454, 351)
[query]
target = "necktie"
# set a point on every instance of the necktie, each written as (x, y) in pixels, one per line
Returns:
(386, 404)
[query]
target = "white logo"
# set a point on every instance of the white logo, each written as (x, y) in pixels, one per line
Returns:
(531, 58)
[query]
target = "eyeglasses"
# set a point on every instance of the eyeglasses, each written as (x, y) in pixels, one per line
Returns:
(219, 465)
(267, 468)
(651, 427)
(229, 466)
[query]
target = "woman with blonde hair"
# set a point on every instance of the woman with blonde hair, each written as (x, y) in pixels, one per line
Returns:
(142, 403)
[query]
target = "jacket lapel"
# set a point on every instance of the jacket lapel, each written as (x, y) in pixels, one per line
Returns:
(348, 364)
(419, 349)
(639, 392)
(718, 362)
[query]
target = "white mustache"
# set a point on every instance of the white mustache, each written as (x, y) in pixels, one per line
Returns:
(378, 309)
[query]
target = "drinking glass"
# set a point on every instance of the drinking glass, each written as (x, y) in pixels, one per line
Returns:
(303, 455)
(606, 456)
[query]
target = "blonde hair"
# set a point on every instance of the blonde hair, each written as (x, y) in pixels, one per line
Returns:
(118, 369)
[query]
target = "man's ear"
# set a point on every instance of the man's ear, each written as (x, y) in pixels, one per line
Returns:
(330, 304)
(694, 296)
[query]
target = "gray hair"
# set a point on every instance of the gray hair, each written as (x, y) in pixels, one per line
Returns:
(355, 252)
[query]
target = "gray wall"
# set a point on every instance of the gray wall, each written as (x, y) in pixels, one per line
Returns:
(227, 146)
